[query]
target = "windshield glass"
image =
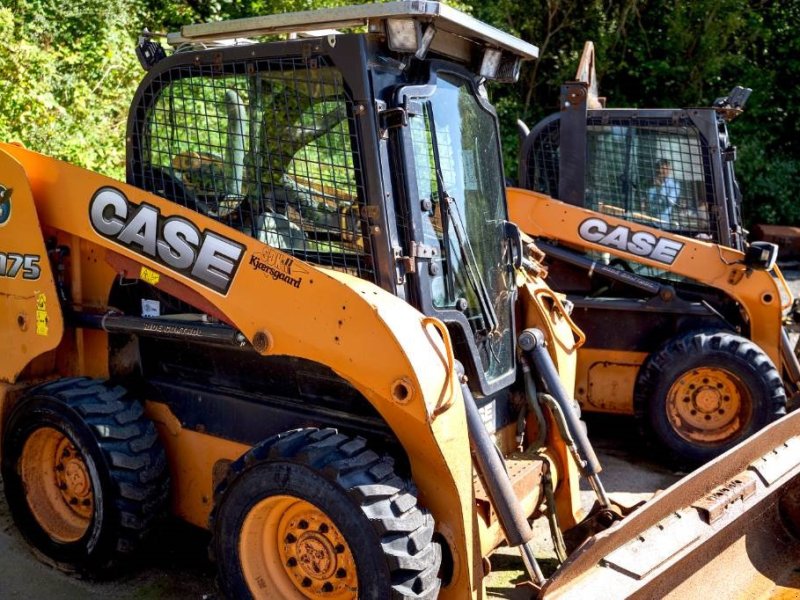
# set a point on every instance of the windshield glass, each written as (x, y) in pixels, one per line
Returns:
(459, 176)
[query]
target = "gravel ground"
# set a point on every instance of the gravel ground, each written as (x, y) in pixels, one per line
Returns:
(175, 564)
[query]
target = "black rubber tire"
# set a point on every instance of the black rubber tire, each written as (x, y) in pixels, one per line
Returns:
(124, 459)
(704, 349)
(390, 536)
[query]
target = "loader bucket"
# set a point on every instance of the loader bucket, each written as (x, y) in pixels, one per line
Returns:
(731, 529)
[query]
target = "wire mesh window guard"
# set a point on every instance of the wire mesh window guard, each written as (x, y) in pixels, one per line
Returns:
(266, 147)
(652, 172)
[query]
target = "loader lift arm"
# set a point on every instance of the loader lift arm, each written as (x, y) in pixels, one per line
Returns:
(720, 267)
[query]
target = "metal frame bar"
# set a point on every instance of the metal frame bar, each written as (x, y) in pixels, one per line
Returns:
(445, 18)
(219, 62)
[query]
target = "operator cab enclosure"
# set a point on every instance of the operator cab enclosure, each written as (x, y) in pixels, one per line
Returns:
(374, 153)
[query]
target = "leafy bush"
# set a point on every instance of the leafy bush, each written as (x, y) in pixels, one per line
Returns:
(68, 71)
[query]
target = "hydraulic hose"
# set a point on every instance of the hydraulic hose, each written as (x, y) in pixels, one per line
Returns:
(533, 404)
(532, 342)
(489, 463)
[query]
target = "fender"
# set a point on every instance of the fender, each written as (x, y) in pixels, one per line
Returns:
(30, 314)
(385, 348)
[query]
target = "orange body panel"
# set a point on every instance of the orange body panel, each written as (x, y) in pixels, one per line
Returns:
(30, 314)
(192, 458)
(757, 292)
(606, 379)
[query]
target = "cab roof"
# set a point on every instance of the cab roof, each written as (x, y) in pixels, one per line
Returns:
(411, 26)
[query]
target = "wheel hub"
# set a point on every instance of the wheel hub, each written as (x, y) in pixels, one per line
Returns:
(706, 405)
(73, 479)
(708, 401)
(292, 547)
(58, 484)
(315, 555)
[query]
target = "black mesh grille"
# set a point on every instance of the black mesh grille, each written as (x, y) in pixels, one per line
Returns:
(652, 171)
(267, 147)
(541, 174)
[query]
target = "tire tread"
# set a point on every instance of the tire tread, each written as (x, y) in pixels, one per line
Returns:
(405, 530)
(696, 344)
(134, 456)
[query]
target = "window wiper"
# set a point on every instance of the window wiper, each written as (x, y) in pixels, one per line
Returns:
(471, 265)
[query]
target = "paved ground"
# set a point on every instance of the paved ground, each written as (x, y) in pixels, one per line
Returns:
(175, 565)
(629, 475)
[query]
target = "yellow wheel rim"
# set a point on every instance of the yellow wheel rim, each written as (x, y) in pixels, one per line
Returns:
(708, 405)
(58, 487)
(290, 549)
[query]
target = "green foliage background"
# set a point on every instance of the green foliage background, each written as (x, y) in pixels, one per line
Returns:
(68, 71)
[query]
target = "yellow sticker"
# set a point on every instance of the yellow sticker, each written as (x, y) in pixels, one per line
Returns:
(41, 314)
(149, 276)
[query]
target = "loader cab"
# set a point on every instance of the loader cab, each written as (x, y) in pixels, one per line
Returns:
(672, 169)
(373, 152)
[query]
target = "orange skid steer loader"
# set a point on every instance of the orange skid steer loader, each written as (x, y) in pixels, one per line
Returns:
(306, 324)
(639, 213)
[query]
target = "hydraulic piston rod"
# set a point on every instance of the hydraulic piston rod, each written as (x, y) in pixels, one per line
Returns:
(532, 341)
(512, 517)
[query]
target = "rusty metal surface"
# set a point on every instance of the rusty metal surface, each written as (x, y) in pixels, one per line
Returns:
(787, 237)
(714, 505)
(728, 530)
(653, 547)
(525, 475)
